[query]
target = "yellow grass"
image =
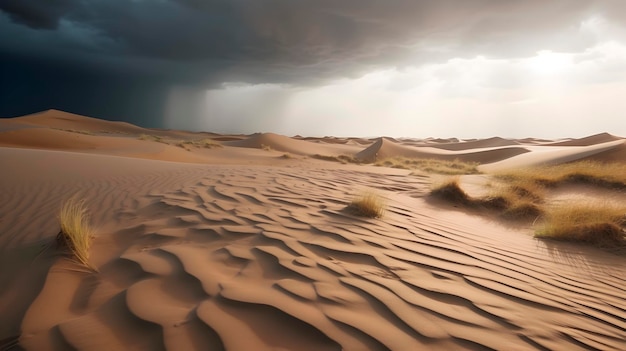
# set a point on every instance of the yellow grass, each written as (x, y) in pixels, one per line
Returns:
(202, 143)
(185, 144)
(455, 167)
(506, 201)
(450, 191)
(75, 234)
(601, 224)
(612, 175)
(344, 159)
(368, 204)
(522, 196)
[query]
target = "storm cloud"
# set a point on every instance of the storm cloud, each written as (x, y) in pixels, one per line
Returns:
(155, 45)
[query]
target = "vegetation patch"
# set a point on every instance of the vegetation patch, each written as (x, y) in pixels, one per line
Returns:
(85, 132)
(450, 191)
(593, 223)
(608, 175)
(506, 202)
(522, 197)
(205, 143)
(447, 167)
(75, 234)
(344, 159)
(369, 204)
(150, 137)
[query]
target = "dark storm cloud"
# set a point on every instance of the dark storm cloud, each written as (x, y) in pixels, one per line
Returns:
(286, 40)
(37, 14)
(204, 43)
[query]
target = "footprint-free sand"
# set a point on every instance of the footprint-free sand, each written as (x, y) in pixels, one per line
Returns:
(248, 247)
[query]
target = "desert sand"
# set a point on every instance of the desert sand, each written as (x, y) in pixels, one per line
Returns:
(248, 247)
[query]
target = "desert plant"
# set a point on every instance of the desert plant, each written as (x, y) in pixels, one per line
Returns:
(85, 132)
(149, 137)
(75, 234)
(599, 224)
(611, 175)
(450, 191)
(447, 167)
(368, 204)
(207, 143)
(344, 159)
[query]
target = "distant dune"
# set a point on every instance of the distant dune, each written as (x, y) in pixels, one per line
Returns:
(242, 242)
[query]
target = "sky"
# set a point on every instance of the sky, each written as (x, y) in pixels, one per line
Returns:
(401, 68)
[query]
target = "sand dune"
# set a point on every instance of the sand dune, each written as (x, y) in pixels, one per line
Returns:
(559, 154)
(261, 255)
(587, 141)
(299, 147)
(384, 148)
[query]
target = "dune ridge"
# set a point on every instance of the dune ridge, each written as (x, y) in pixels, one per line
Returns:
(264, 256)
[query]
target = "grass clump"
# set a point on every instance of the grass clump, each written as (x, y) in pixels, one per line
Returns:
(150, 137)
(591, 223)
(202, 143)
(75, 234)
(78, 131)
(451, 191)
(205, 143)
(507, 202)
(609, 175)
(369, 204)
(446, 167)
(343, 159)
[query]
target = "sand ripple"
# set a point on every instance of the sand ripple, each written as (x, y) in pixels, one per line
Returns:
(264, 258)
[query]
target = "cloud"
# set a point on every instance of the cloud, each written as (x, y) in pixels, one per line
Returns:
(37, 14)
(282, 41)
(197, 45)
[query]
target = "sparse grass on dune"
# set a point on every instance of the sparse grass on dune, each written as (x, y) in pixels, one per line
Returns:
(450, 191)
(611, 175)
(204, 143)
(522, 197)
(75, 234)
(185, 144)
(369, 204)
(600, 224)
(344, 159)
(447, 167)
(85, 132)
(150, 137)
(507, 203)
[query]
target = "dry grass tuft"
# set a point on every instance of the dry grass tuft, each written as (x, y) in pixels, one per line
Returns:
(149, 137)
(600, 224)
(343, 159)
(507, 202)
(609, 175)
(205, 143)
(75, 234)
(369, 204)
(455, 167)
(451, 191)
(85, 132)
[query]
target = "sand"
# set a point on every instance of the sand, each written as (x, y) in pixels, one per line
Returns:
(249, 247)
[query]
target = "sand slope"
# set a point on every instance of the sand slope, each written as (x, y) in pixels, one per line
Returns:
(262, 256)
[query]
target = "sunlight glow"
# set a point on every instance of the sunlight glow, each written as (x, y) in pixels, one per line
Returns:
(547, 62)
